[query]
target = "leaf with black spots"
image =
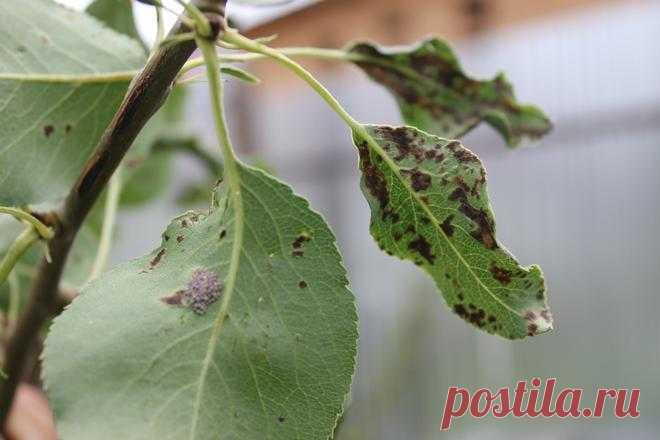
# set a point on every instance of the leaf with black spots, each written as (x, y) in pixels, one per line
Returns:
(435, 95)
(429, 205)
(63, 74)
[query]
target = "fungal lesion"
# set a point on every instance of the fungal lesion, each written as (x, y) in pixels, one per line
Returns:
(298, 243)
(538, 321)
(203, 289)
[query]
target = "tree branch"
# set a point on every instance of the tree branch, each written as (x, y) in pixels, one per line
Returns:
(145, 95)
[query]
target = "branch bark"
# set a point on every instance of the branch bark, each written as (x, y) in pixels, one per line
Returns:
(145, 95)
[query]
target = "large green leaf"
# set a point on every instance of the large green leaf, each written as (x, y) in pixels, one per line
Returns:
(429, 205)
(124, 361)
(435, 95)
(62, 76)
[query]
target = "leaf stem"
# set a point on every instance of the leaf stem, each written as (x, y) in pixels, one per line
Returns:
(233, 37)
(109, 217)
(304, 52)
(44, 231)
(234, 181)
(16, 251)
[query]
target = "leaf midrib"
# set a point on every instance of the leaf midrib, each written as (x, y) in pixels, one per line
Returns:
(119, 76)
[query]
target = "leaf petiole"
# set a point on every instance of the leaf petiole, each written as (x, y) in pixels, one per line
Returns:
(232, 37)
(16, 251)
(44, 231)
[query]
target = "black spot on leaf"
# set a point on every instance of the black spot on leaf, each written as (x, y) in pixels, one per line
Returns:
(500, 274)
(420, 181)
(447, 227)
(485, 231)
(421, 246)
(154, 262)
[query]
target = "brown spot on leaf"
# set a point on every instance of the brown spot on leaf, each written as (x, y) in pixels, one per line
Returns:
(300, 239)
(223, 233)
(421, 246)
(180, 238)
(447, 227)
(154, 262)
(500, 274)
(297, 253)
(485, 231)
(302, 284)
(420, 181)
(406, 142)
(464, 155)
(476, 317)
(68, 128)
(176, 299)
(48, 130)
(374, 179)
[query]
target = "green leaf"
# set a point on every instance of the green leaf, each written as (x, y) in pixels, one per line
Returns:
(116, 14)
(435, 95)
(429, 205)
(241, 74)
(62, 76)
(125, 359)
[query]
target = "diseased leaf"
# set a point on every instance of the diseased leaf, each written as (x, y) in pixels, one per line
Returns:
(429, 205)
(62, 76)
(130, 358)
(116, 14)
(435, 95)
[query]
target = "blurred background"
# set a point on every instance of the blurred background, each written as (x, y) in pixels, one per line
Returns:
(582, 203)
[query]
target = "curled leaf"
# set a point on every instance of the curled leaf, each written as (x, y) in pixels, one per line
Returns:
(435, 95)
(429, 205)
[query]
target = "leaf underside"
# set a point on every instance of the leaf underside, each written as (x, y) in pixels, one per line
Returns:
(429, 205)
(57, 95)
(117, 15)
(124, 361)
(435, 95)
